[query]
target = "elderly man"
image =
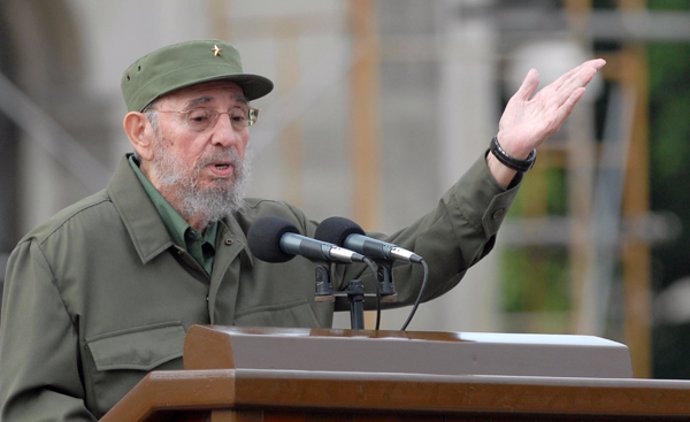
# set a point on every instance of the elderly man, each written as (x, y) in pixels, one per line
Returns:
(103, 291)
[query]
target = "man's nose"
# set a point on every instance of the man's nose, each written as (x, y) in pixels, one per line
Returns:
(224, 133)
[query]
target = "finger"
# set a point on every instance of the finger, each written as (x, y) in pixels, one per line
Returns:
(579, 76)
(573, 99)
(561, 94)
(567, 107)
(568, 81)
(597, 63)
(562, 80)
(529, 85)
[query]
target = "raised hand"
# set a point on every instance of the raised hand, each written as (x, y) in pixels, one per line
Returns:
(529, 118)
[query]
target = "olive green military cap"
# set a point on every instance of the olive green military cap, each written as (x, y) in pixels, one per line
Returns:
(179, 65)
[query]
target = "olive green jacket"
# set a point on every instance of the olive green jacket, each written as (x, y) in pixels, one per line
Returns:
(99, 294)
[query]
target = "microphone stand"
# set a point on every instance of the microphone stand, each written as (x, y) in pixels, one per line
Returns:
(323, 289)
(384, 275)
(355, 294)
(323, 292)
(386, 291)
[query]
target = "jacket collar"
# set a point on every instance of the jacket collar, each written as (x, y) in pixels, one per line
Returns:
(139, 215)
(143, 223)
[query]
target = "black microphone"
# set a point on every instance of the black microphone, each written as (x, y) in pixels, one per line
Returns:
(348, 234)
(273, 239)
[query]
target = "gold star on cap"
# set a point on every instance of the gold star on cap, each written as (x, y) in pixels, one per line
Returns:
(217, 51)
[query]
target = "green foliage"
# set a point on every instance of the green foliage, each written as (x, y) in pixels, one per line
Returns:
(556, 201)
(668, 5)
(669, 84)
(534, 279)
(669, 111)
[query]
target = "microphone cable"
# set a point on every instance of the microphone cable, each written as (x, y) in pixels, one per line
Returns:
(417, 301)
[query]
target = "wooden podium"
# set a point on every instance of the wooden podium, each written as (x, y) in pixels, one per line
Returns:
(258, 374)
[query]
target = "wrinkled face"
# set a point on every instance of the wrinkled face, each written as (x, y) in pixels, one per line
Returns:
(201, 135)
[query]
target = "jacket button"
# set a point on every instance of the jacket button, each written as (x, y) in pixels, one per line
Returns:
(228, 242)
(499, 213)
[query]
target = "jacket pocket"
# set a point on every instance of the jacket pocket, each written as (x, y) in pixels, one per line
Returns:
(140, 348)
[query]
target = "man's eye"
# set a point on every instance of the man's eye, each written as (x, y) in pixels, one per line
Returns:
(199, 116)
(238, 116)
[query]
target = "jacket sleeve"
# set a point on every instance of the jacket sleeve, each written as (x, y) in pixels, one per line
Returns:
(39, 375)
(452, 237)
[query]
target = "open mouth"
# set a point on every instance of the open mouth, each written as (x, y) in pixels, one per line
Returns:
(222, 169)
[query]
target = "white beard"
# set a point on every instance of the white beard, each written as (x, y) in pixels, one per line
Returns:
(211, 203)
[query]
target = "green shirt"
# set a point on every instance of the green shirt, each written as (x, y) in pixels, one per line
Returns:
(200, 246)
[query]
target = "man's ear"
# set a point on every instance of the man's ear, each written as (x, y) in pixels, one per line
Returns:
(140, 133)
